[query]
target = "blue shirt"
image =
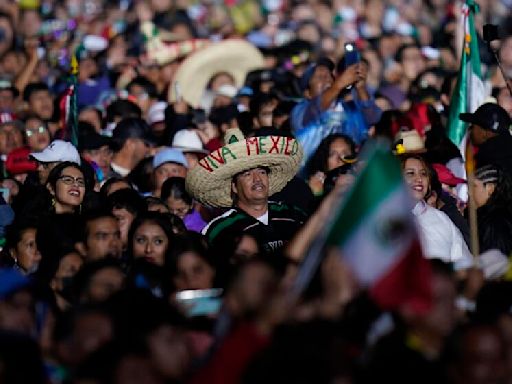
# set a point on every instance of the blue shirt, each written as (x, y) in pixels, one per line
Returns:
(310, 124)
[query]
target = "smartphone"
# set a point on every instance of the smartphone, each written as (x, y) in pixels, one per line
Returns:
(200, 302)
(352, 55)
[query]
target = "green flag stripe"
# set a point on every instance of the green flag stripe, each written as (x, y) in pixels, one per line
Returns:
(456, 128)
(381, 177)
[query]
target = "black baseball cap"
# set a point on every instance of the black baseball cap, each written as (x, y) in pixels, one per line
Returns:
(489, 116)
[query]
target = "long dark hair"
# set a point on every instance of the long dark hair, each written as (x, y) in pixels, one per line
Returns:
(156, 218)
(318, 162)
(502, 194)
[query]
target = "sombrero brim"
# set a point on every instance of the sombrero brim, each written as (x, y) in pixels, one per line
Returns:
(234, 56)
(210, 181)
(410, 152)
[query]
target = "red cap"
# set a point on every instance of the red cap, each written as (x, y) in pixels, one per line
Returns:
(418, 114)
(18, 161)
(446, 176)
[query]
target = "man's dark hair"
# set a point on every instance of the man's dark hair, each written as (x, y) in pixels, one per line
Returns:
(123, 109)
(143, 82)
(92, 216)
(33, 88)
(130, 127)
(127, 199)
(105, 188)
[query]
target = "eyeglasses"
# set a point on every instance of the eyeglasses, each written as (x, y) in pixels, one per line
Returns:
(31, 132)
(70, 180)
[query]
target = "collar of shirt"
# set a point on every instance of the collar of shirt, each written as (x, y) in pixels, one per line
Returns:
(419, 208)
(263, 218)
(121, 170)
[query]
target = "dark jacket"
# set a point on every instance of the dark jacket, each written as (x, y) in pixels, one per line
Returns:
(495, 228)
(497, 151)
(451, 210)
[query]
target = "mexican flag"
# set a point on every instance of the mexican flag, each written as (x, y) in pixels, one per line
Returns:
(374, 230)
(469, 92)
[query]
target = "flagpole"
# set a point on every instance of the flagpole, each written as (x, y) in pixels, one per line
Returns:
(473, 222)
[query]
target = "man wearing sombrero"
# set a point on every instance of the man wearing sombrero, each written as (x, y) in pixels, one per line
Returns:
(241, 176)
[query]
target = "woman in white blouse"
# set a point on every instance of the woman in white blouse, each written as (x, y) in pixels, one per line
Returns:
(439, 237)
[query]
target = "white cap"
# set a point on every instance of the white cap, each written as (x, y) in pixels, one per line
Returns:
(57, 151)
(156, 113)
(187, 140)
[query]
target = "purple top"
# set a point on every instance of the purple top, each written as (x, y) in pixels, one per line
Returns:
(194, 222)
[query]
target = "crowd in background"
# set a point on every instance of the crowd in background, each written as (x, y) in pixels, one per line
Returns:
(121, 262)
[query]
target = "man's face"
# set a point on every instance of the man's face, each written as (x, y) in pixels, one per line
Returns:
(41, 103)
(103, 239)
(101, 156)
(38, 137)
(166, 171)
(478, 134)
(6, 100)
(140, 149)
(10, 138)
(321, 80)
(43, 170)
(251, 187)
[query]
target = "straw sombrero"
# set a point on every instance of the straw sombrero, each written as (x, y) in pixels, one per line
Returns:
(210, 181)
(234, 56)
(409, 142)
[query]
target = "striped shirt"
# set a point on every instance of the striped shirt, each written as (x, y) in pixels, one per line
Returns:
(283, 222)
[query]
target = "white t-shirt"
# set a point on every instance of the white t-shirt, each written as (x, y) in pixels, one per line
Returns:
(440, 238)
(120, 170)
(263, 218)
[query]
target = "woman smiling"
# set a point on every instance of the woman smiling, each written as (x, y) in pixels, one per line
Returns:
(66, 183)
(440, 238)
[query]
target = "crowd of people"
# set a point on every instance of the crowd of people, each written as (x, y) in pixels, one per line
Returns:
(157, 206)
